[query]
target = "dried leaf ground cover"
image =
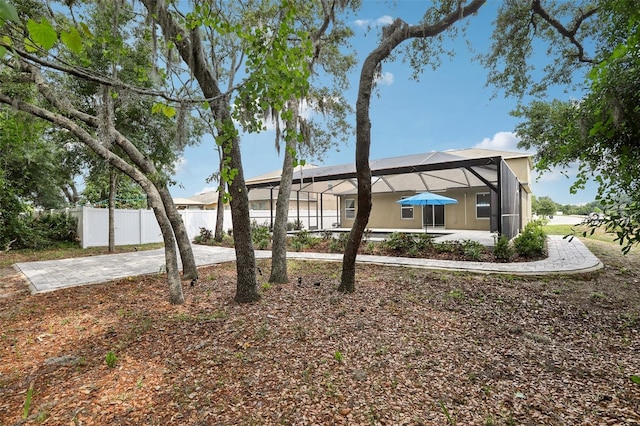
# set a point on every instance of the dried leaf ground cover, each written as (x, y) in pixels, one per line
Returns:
(409, 347)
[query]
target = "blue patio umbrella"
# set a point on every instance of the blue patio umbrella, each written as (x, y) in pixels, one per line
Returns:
(427, 199)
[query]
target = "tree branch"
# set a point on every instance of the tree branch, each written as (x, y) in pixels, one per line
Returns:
(570, 34)
(8, 246)
(107, 81)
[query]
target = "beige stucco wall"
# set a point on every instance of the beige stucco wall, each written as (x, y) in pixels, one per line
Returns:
(386, 212)
(525, 201)
(521, 167)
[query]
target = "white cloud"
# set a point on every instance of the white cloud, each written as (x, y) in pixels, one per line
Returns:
(384, 20)
(384, 79)
(508, 141)
(180, 164)
(381, 21)
(501, 141)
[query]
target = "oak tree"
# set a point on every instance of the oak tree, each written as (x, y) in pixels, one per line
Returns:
(436, 21)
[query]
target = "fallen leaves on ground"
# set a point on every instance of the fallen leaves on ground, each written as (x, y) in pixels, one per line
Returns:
(411, 346)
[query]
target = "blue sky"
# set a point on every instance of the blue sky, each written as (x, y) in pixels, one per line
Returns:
(448, 108)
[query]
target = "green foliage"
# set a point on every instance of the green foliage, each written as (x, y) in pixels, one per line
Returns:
(337, 245)
(581, 210)
(448, 247)
(295, 225)
(543, 206)
(522, 34)
(531, 242)
(111, 359)
(327, 234)
(456, 294)
(205, 236)
(370, 247)
(621, 219)
(304, 239)
(260, 235)
(450, 419)
(423, 241)
(166, 110)
(503, 250)
(398, 241)
(296, 245)
(8, 12)
(472, 250)
(39, 231)
(601, 130)
(27, 402)
(33, 168)
(266, 286)
(338, 356)
(129, 195)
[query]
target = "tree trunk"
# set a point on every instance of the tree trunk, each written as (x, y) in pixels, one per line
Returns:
(189, 267)
(219, 234)
(279, 249)
(171, 262)
(113, 189)
(393, 35)
(176, 296)
(246, 286)
(363, 174)
(71, 193)
(189, 45)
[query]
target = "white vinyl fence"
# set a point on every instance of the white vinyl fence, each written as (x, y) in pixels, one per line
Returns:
(141, 227)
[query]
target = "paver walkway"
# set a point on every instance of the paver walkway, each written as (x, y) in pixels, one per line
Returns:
(565, 257)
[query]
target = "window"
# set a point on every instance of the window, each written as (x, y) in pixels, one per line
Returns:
(483, 205)
(406, 212)
(258, 205)
(350, 208)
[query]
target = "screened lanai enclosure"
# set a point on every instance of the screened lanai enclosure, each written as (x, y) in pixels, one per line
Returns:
(491, 189)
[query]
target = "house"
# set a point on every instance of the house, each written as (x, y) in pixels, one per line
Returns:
(304, 206)
(188, 204)
(259, 198)
(491, 188)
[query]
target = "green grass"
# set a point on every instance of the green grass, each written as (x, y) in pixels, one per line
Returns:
(65, 251)
(598, 235)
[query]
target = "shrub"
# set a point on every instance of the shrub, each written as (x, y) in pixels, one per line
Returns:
(370, 247)
(260, 235)
(337, 245)
(423, 241)
(227, 239)
(38, 231)
(503, 250)
(205, 236)
(327, 234)
(530, 243)
(472, 249)
(398, 241)
(296, 225)
(262, 244)
(449, 247)
(305, 239)
(296, 245)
